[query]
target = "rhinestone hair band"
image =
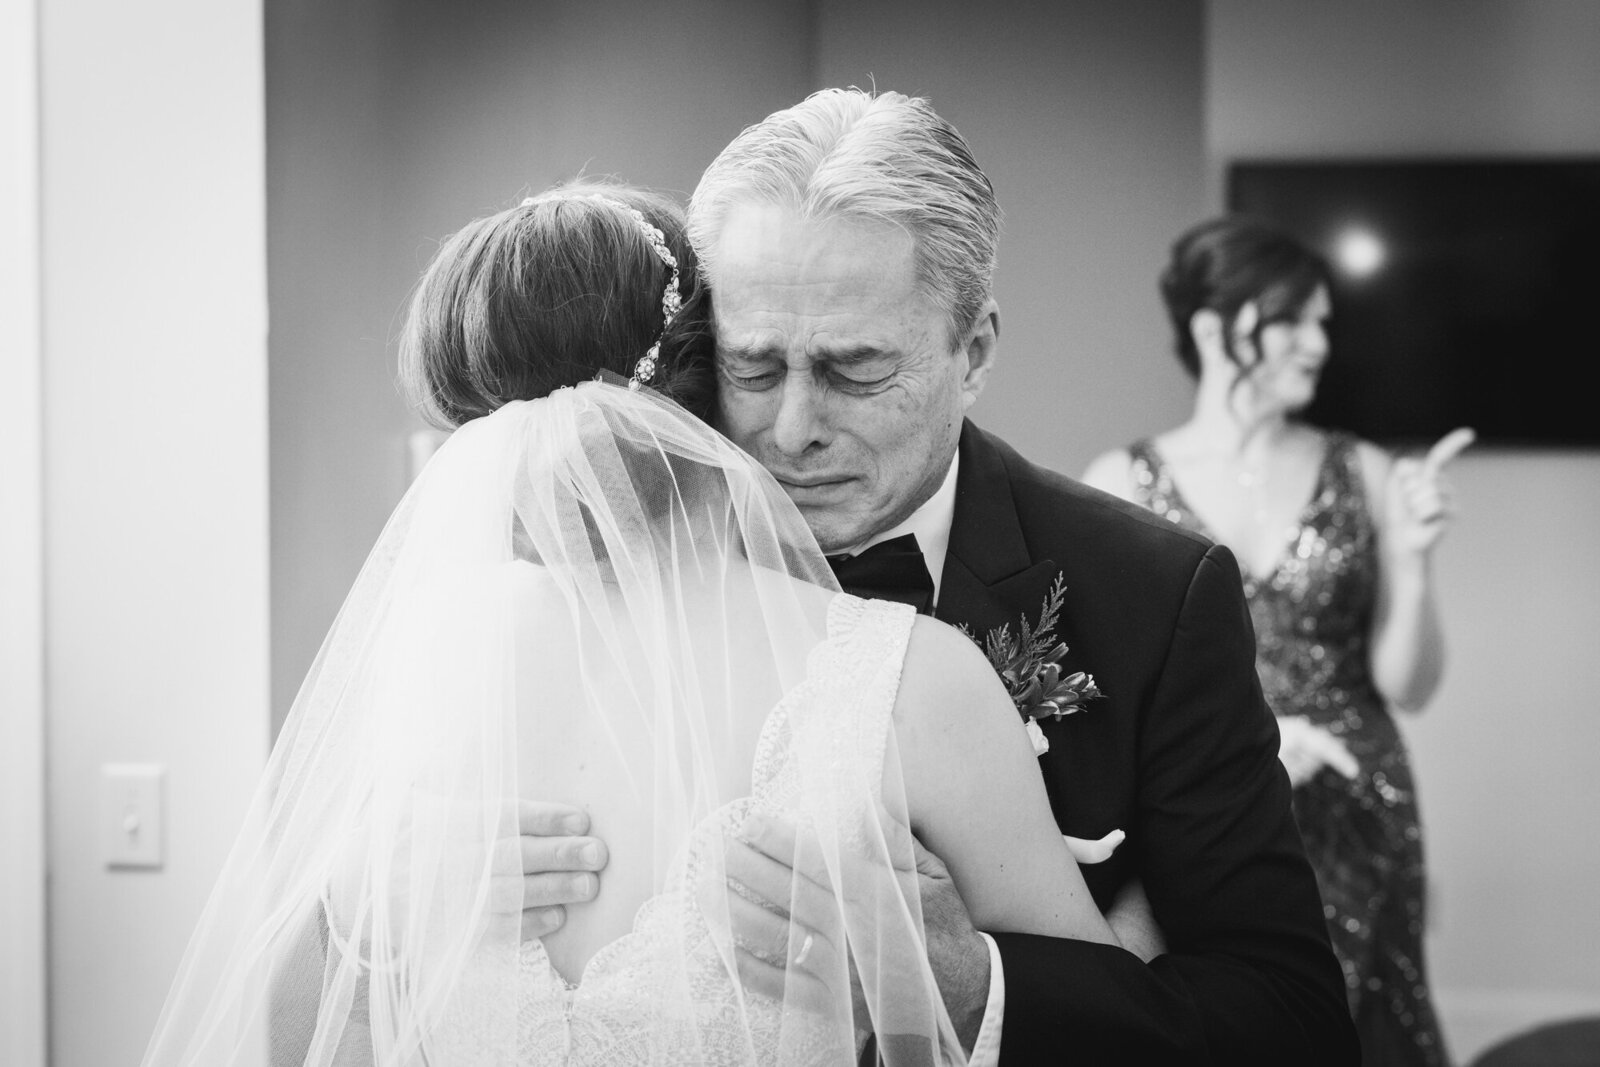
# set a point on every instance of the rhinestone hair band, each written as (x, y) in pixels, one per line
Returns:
(671, 301)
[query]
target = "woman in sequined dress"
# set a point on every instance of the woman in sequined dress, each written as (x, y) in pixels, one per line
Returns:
(1334, 538)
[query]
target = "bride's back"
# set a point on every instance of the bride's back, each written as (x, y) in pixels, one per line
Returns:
(649, 730)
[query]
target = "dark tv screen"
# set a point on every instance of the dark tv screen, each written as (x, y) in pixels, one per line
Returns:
(1465, 293)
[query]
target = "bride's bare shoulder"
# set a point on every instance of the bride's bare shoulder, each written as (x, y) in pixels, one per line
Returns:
(947, 683)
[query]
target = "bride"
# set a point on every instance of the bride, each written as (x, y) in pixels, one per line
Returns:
(590, 596)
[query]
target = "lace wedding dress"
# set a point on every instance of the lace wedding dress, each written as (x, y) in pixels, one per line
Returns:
(594, 599)
(618, 1013)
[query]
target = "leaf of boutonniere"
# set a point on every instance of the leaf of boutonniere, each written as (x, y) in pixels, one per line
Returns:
(1029, 665)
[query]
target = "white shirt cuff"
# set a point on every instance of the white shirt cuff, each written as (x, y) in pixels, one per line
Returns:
(986, 1049)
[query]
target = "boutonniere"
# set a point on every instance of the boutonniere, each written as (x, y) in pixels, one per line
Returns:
(1029, 664)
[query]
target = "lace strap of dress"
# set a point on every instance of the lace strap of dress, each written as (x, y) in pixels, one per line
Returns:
(833, 727)
(866, 652)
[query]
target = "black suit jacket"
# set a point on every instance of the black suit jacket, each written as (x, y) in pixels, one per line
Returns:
(1181, 753)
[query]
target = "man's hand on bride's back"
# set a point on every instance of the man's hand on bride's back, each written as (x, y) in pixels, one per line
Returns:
(759, 861)
(560, 865)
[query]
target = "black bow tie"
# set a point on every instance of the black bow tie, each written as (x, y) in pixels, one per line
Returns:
(890, 570)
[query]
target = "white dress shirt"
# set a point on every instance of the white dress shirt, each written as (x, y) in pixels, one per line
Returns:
(931, 523)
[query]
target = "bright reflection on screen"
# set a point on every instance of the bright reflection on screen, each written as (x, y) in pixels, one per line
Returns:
(1359, 252)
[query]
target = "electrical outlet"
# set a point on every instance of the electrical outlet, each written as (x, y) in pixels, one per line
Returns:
(131, 813)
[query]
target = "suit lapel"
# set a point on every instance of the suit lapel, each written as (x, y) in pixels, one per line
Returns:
(989, 580)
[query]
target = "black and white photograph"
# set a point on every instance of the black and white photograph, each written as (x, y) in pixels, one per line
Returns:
(799, 533)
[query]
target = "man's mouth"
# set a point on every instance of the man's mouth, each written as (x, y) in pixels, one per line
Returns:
(810, 481)
(811, 486)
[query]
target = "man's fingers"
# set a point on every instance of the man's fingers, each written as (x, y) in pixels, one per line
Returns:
(929, 865)
(774, 938)
(780, 897)
(775, 884)
(541, 855)
(1448, 448)
(539, 818)
(765, 833)
(758, 976)
(758, 872)
(539, 922)
(508, 893)
(779, 841)
(559, 887)
(757, 929)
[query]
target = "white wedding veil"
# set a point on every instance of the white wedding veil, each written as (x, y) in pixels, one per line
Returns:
(589, 598)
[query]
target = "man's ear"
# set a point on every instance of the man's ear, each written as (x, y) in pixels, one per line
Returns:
(979, 350)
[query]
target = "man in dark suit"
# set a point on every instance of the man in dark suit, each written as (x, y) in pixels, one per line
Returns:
(849, 245)
(1181, 753)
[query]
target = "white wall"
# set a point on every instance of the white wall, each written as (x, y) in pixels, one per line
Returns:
(1504, 755)
(155, 492)
(22, 879)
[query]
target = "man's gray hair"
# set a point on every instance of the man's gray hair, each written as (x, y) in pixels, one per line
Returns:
(887, 157)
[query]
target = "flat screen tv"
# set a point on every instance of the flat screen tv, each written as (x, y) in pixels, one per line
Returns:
(1465, 292)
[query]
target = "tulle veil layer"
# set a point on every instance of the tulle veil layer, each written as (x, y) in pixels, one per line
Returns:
(590, 598)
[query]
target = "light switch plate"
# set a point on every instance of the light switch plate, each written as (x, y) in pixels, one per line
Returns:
(131, 815)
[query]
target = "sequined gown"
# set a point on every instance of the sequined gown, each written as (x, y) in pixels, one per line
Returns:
(1312, 617)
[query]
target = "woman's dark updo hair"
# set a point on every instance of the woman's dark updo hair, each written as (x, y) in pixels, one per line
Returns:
(1225, 263)
(550, 293)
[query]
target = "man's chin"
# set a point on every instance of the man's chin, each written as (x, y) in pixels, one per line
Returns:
(834, 533)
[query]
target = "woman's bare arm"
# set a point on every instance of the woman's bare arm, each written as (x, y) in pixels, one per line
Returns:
(976, 797)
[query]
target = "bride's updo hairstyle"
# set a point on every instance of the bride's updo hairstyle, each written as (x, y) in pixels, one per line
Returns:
(551, 293)
(1225, 263)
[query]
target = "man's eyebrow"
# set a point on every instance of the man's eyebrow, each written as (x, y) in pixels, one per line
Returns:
(733, 349)
(855, 352)
(846, 354)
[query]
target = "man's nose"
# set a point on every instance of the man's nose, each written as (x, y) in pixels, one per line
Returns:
(801, 422)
